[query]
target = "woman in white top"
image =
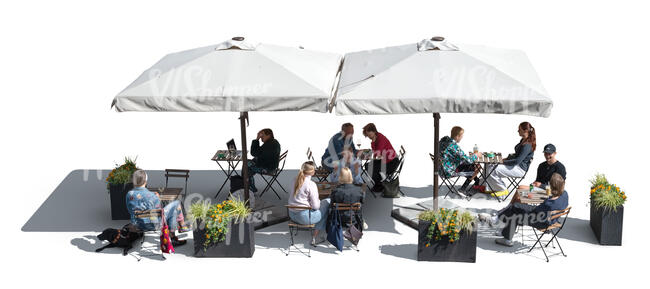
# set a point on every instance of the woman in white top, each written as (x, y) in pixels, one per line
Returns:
(305, 194)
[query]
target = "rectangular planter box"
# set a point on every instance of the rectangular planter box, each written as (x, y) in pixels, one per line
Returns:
(607, 225)
(463, 250)
(239, 243)
(118, 201)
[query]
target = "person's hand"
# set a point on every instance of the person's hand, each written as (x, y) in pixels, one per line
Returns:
(259, 135)
(479, 154)
(537, 184)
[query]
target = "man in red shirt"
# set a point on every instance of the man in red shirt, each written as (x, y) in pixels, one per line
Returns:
(386, 160)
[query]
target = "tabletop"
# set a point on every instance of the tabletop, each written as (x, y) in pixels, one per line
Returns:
(168, 194)
(532, 198)
(226, 155)
(497, 159)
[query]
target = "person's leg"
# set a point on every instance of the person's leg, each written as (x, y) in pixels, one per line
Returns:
(251, 176)
(495, 179)
(321, 214)
(172, 210)
(355, 167)
(336, 171)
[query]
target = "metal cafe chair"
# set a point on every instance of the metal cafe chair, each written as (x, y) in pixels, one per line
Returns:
(274, 177)
(321, 173)
(146, 214)
(355, 212)
(294, 228)
(552, 230)
(395, 175)
(450, 182)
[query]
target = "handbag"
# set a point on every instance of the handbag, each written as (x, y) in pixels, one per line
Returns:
(165, 241)
(391, 188)
(353, 235)
(334, 229)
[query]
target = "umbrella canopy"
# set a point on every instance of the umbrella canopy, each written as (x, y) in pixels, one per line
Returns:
(235, 76)
(437, 76)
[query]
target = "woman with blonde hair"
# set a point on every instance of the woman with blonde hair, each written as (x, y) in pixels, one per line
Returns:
(347, 193)
(305, 194)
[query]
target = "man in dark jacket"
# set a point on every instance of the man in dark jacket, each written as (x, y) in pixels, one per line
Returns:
(548, 168)
(265, 157)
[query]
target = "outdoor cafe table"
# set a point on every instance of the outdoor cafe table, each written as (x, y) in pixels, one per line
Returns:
(168, 194)
(366, 156)
(531, 198)
(325, 189)
(486, 172)
(232, 160)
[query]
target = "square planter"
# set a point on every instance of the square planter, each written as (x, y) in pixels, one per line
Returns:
(463, 250)
(118, 200)
(239, 243)
(607, 225)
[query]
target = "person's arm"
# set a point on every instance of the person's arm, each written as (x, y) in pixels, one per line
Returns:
(461, 155)
(314, 201)
(337, 143)
(520, 156)
(255, 148)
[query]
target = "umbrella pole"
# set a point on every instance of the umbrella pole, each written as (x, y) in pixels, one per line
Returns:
(436, 157)
(243, 118)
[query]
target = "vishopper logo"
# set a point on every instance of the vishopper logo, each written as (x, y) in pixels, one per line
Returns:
(483, 84)
(200, 82)
(99, 175)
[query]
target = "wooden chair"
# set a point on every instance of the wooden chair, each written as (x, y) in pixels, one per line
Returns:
(554, 229)
(175, 173)
(294, 228)
(321, 173)
(274, 177)
(354, 210)
(146, 214)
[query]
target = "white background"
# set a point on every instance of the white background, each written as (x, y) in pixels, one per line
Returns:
(61, 63)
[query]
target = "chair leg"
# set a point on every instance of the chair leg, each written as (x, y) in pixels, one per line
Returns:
(539, 241)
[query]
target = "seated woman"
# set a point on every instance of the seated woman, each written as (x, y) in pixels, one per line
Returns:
(538, 217)
(515, 165)
(141, 199)
(348, 161)
(454, 160)
(305, 194)
(265, 157)
(347, 193)
(382, 149)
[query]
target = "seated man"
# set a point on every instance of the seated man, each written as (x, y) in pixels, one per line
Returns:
(538, 217)
(333, 159)
(348, 161)
(454, 160)
(266, 157)
(548, 168)
(141, 199)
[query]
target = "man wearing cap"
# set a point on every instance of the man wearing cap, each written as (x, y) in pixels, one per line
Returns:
(548, 168)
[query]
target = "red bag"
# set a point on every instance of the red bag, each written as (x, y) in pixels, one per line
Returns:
(165, 241)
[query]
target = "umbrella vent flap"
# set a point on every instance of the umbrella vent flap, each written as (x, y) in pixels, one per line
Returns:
(236, 43)
(436, 43)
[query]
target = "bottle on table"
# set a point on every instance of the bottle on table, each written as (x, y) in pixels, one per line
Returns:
(475, 149)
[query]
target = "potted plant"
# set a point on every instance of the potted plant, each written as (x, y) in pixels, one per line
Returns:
(606, 211)
(223, 230)
(118, 184)
(447, 235)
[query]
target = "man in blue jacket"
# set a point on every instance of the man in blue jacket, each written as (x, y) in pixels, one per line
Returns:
(538, 217)
(341, 152)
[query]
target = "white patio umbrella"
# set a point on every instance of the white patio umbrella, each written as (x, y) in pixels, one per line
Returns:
(235, 75)
(435, 76)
